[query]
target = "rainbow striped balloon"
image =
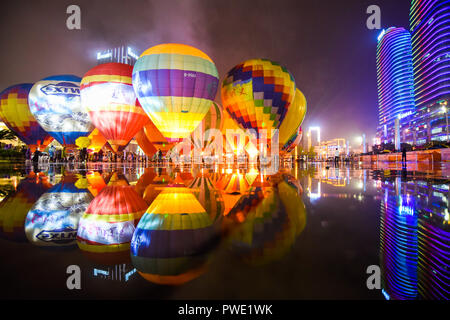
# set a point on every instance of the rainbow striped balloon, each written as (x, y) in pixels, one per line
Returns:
(176, 84)
(15, 113)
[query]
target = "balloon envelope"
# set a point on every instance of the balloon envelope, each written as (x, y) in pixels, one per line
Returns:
(15, 113)
(175, 84)
(290, 132)
(108, 95)
(56, 105)
(258, 93)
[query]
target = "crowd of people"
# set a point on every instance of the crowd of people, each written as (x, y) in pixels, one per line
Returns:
(62, 155)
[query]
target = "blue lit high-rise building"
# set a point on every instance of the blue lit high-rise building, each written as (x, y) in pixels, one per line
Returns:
(430, 29)
(395, 81)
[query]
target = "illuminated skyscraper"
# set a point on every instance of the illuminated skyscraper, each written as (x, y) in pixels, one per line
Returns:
(395, 81)
(430, 29)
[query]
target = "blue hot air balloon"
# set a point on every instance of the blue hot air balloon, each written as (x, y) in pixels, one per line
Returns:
(55, 103)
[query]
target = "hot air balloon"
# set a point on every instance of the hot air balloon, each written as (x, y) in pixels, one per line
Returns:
(55, 103)
(176, 85)
(258, 93)
(202, 136)
(106, 228)
(108, 95)
(144, 143)
(15, 113)
(172, 242)
(53, 219)
(14, 208)
(290, 132)
(156, 138)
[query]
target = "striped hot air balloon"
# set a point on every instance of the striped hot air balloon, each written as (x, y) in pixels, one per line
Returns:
(15, 113)
(209, 197)
(258, 93)
(108, 95)
(176, 84)
(174, 238)
(106, 228)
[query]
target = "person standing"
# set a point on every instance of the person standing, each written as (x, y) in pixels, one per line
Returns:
(404, 155)
(336, 156)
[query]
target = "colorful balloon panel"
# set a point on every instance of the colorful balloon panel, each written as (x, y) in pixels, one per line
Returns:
(173, 239)
(53, 219)
(108, 95)
(176, 85)
(56, 105)
(293, 141)
(15, 113)
(106, 228)
(258, 93)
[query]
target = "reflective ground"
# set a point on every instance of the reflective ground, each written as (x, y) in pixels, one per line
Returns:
(306, 232)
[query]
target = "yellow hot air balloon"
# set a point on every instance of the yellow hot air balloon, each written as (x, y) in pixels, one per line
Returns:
(289, 129)
(175, 84)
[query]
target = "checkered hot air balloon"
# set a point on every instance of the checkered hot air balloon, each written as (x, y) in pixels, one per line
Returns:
(175, 84)
(55, 103)
(258, 93)
(15, 113)
(108, 95)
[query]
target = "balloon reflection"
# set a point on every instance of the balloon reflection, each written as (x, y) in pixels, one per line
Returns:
(53, 219)
(265, 222)
(106, 228)
(173, 240)
(14, 208)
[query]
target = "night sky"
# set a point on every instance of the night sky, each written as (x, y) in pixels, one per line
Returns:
(324, 43)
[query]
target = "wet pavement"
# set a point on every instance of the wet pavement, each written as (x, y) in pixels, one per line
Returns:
(220, 232)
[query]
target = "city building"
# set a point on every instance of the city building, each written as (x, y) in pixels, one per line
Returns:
(123, 54)
(430, 23)
(395, 82)
(327, 149)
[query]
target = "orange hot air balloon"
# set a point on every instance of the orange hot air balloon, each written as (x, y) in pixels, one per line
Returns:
(97, 140)
(105, 229)
(145, 144)
(156, 138)
(107, 93)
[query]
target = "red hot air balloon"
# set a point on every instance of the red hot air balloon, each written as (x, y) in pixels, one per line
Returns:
(107, 93)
